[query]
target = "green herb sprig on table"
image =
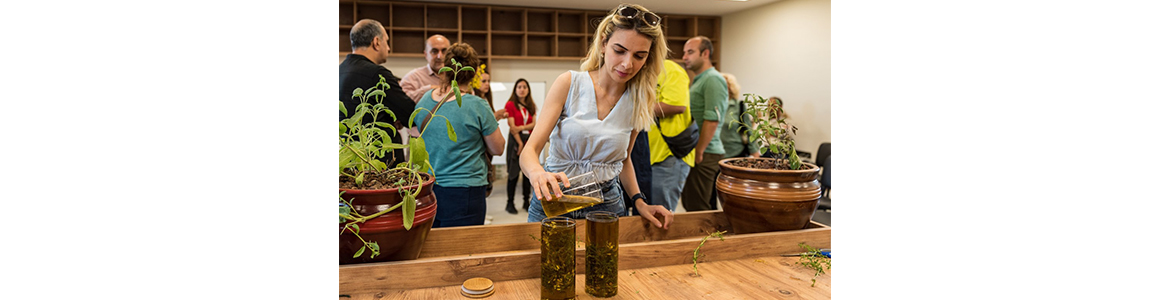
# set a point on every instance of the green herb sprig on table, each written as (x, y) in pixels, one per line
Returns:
(695, 259)
(813, 259)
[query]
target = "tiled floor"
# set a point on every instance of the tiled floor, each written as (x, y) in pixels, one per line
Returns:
(499, 198)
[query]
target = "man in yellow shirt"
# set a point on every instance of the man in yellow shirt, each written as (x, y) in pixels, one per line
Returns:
(674, 115)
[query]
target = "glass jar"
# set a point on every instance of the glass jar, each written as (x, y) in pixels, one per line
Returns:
(558, 258)
(601, 254)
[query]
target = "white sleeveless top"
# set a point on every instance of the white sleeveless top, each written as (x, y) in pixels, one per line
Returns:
(580, 142)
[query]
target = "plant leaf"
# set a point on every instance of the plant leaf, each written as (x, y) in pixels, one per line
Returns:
(357, 93)
(359, 252)
(384, 124)
(450, 130)
(467, 69)
(458, 95)
(341, 106)
(408, 210)
(418, 154)
(445, 69)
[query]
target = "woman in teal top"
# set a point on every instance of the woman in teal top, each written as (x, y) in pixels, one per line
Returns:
(460, 175)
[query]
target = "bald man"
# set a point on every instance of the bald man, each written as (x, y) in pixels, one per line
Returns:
(425, 78)
(361, 69)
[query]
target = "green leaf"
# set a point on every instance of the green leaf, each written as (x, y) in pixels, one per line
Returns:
(458, 95)
(343, 210)
(413, 114)
(445, 69)
(359, 252)
(357, 93)
(418, 154)
(467, 69)
(376, 93)
(408, 210)
(355, 227)
(384, 124)
(393, 118)
(341, 106)
(359, 178)
(450, 130)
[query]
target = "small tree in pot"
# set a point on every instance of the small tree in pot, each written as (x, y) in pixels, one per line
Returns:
(768, 194)
(375, 191)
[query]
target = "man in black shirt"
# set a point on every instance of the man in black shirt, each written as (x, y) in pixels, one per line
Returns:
(361, 69)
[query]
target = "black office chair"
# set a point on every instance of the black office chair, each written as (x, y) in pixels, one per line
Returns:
(825, 182)
(822, 154)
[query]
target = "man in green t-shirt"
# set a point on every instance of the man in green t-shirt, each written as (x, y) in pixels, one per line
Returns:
(674, 115)
(708, 107)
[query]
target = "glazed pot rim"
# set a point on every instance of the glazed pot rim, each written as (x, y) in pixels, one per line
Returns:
(429, 180)
(393, 220)
(725, 163)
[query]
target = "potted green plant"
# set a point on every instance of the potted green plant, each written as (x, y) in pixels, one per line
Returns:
(388, 211)
(768, 194)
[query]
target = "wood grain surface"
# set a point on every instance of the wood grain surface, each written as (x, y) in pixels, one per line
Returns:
(767, 277)
(466, 240)
(506, 253)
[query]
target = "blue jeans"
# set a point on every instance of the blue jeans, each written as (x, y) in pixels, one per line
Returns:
(669, 176)
(460, 206)
(612, 191)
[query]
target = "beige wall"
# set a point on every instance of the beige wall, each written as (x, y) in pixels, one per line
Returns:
(782, 49)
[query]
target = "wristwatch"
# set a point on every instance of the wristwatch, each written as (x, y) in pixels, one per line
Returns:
(637, 196)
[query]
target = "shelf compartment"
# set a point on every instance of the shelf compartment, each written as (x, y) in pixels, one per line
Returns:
(540, 20)
(709, 27)
(540, 46)
(676, 48)
(477, 41)
(679, 26)
(475, 18)
(571, 46)
(409, 15)
(407, 41)
(347, 11)
(345, 45)
(507, 19)
(377, 11)
(507, 44)
(571, 22)
(442, 17)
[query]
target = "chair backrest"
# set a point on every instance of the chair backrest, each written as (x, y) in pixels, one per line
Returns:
(825, 174)
(822, 154)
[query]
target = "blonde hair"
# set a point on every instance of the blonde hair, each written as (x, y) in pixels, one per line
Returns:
(732, 86)
(644, 85)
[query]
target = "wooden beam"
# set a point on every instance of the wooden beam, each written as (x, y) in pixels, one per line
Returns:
(501, 266)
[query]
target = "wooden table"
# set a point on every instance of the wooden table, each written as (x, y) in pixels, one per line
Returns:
(653, 263)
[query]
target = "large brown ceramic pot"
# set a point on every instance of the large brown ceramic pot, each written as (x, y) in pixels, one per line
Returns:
(762, 200)
(394, 241)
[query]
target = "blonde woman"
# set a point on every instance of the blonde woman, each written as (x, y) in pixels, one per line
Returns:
(591, 117)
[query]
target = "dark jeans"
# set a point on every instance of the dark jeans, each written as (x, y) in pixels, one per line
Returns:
(640, 157)
(460, 206)
(527, 186)
(715, 192)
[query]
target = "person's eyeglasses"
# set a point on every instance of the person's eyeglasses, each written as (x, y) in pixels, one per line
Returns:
(631, 13)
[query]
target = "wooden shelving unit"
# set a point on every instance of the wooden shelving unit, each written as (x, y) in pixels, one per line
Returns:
(505, 32)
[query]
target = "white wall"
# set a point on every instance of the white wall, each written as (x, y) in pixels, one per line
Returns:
(783, 49)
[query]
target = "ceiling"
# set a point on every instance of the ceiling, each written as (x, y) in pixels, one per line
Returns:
(681, 7)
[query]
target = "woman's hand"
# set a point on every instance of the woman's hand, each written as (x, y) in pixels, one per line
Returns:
(545, 185)
(648, 212)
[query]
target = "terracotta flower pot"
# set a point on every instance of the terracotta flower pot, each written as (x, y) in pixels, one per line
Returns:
(763, 200)
(394, 241)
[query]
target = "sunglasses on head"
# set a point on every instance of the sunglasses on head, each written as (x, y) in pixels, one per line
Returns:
(631, 13)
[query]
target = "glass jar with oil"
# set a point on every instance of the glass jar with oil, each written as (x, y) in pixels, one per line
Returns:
(558, 258)
(601, 254)
(583, 191)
